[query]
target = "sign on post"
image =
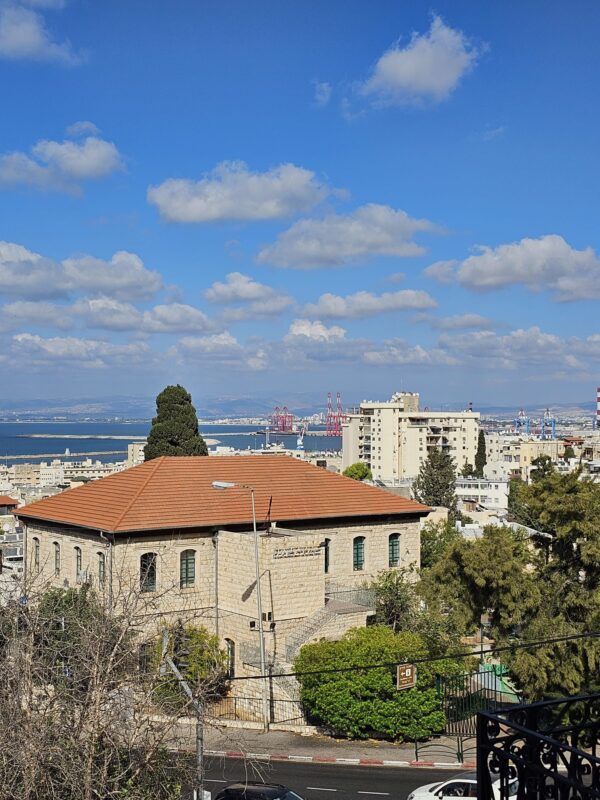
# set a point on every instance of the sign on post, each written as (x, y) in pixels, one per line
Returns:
(406, 676)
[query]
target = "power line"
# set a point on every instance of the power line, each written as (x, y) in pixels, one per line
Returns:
(427, 660)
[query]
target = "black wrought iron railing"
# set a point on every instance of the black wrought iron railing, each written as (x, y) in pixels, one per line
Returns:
(543, 751)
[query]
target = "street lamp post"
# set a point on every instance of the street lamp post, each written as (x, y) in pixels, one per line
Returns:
(261, 632)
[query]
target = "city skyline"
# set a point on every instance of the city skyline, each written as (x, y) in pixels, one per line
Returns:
(310, 198)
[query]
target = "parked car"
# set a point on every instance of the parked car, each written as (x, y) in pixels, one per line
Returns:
(257, 791)
(463, 785)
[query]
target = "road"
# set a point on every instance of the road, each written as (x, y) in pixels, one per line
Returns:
(325, 781)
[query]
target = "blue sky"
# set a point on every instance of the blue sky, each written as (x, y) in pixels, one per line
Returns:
(300, 197)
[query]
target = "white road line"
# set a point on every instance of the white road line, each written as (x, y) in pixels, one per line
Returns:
(214, 780)
(380, 794)
(321, 789)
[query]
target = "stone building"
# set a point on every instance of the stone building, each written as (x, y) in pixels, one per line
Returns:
(164, 527)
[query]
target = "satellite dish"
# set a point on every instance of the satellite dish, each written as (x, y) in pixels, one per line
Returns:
(6, 527)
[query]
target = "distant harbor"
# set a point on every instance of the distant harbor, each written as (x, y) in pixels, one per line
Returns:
(31, 441)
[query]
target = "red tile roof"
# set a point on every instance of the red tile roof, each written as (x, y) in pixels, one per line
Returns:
(5, 500)
(177, 492)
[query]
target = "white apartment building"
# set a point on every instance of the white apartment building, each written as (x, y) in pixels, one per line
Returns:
(474, 493)
(393, 438)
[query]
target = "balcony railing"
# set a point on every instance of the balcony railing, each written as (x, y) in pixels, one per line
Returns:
(550, 748)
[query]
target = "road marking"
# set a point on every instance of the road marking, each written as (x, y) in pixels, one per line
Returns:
(321, 789)
(213, 780)
(380, 794)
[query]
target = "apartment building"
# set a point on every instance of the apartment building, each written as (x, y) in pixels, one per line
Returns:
(394, 437)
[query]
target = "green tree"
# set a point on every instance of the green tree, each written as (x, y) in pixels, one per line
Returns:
(569, 452)
(358, 472)
(435, 484)
(480, 455)
(567, 509)
(541, 468)
(467, 471)
(199, 658)
(491, 575)
(400, 606)
(174, 429)
(360, 703)
(436, 539)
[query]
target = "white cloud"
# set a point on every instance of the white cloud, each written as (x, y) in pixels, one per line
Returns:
(442, 271)
(72, 351)
(175, 317)
(259, 309)
(323, 92)
(366, 304)
(528, 348)
(397, 351)
(371, 230)
(24, 312)
(215, 343)
(24, 36)
(463, 321)
(81, 128)
(257, 300)
(109, 314)
(28, 275)
(232, 192)
(237, 288)
(428, 68)
(60, 166)
(316, 330)
(545, 264)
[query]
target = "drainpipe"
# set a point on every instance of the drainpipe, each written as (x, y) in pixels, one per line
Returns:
(110, 569)
(215, 541)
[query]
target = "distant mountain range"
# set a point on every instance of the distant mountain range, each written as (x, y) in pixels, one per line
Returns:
(301, 404)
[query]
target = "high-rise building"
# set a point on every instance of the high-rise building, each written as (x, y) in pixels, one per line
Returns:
(393, 438)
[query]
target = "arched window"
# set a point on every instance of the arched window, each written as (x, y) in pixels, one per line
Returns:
(148, 572)
(326, 549)
(101, 570)
(230, 658)
(56, 558)
(78, 563)
(187, 569)
(36, 554)
(394, 550)
(358, 553)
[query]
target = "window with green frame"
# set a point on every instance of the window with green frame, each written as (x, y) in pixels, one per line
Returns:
(358, 553)
(394, 550)
(187, 569)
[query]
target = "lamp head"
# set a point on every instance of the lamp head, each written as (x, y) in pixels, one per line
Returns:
(223, 485)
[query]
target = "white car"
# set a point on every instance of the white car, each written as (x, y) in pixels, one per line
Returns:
(464, 785)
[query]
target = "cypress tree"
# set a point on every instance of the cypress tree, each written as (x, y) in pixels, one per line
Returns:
(480, 455)
(174, 429)
(435, 484)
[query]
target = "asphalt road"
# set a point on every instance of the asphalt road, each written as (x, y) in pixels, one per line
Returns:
(325, 781)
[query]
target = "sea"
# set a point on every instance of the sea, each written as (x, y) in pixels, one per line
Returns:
(22, 442)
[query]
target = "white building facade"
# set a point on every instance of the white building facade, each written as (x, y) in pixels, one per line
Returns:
(394, 438)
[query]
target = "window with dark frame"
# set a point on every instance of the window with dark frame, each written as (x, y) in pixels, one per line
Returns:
(394, 550)
(148, 572)
(358, 553)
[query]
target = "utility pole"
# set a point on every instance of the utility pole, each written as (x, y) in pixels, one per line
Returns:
(167, 661)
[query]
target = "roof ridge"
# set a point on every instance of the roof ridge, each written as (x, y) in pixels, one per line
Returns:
(159, 461)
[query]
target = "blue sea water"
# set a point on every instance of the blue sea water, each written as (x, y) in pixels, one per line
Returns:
(39, 440)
